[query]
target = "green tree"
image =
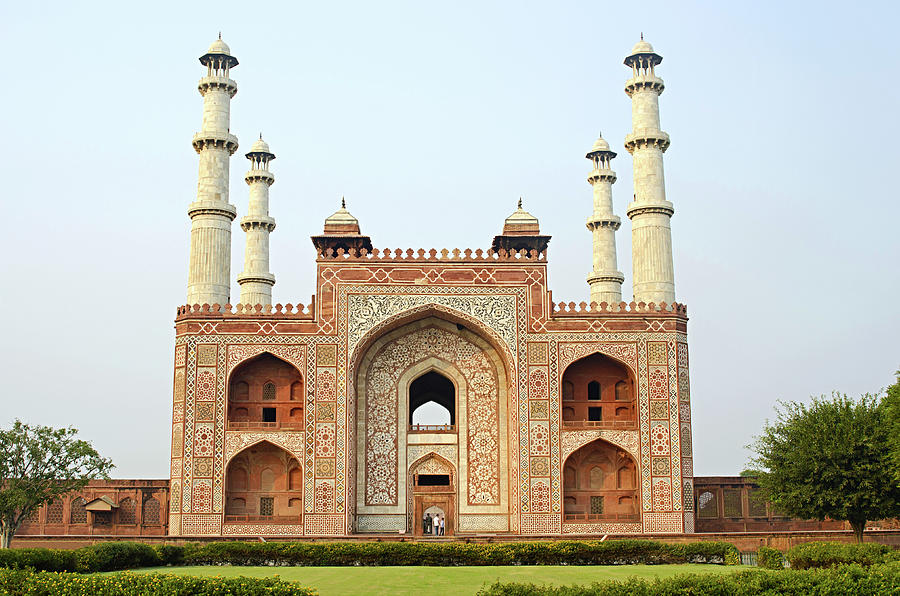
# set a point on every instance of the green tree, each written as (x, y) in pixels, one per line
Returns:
(39, 464)
(891, 404)
(829, 459)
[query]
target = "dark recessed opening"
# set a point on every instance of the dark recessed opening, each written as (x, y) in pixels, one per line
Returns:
(432, 386)
(268, 414)
(593, 390)
(433, 480)
(595, 414)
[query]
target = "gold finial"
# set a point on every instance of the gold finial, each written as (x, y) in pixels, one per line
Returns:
(343, 203)
(520, 202)
(642, 36)
(260, 136)
(220, 36)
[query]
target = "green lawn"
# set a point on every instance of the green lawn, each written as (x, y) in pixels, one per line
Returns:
(437, 581)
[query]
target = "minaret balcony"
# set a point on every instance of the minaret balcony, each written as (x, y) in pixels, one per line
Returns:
(215, 139)
(644, 82)
(212, 208)
(249, 222)
(642, 208)
(217, 82)
(604, 174)
(646, 137)
(604, 221)
(259, 176)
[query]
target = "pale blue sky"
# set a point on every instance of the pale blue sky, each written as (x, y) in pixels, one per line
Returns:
(432, 119)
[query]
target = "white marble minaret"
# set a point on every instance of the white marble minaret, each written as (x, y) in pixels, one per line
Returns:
(605, 280)
(256, 281)
(650, 212)
(209, 272)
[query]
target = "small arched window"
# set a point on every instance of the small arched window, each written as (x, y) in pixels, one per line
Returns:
(241, 391)
(294, 479)
(597, 477)
(568, 413)
(150, 512)
(267, 479)
(622, 392)
(268, 392)
(77, 512)
(296, 413)
(294, 503)
(55, 512)
(593, 390)
(296, 391)
(237, 479)
(238, 504)
(625, 477)
(568, 390)
(569, 477)
(127, 511)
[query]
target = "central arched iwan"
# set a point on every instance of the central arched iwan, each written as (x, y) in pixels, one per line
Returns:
(390, 365)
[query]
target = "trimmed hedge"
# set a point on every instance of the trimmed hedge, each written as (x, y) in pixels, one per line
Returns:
(613, 552)
(813, 555)
(849, 579)
(47, 583)
(769, 558)
(105, 556)
(112, 556)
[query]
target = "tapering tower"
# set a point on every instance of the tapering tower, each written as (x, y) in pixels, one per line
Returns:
(650, 212)
(605, 279)
(209, 273)
(256, 281)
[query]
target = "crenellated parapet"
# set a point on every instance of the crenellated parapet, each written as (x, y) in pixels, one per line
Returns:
(583, 308)
(286, 311)
(443, 255)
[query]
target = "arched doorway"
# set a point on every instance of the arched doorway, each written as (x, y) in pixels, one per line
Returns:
(598, 392)
(432, 487)
(600, 484)
(263, 484)
(445, 365)
(265, 392)
(432, 403)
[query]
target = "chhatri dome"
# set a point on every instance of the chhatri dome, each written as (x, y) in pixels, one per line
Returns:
(521, 223)
(599, 145)
(260, 146)
(341, 231)
(341, 220)
(219, 47)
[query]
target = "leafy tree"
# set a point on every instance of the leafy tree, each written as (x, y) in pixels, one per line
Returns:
(829, 459)
(891, 405)
(39, 464)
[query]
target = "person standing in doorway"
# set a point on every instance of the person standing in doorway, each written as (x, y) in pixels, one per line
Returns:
(442, 525)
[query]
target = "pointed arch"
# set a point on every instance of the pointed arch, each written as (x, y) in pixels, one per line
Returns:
(437, 311)
(260, 390)
(413, 344)
(261, 485)
(602, 393)
(606, 484)
(431, 455)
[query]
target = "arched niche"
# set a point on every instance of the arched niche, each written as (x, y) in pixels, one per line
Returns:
(265, 392)
(263, 484)
(598, 392)
(600, 483)
(383, 376)
(432, 402)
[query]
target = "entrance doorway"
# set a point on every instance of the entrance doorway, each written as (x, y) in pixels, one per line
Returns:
(433, 507)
